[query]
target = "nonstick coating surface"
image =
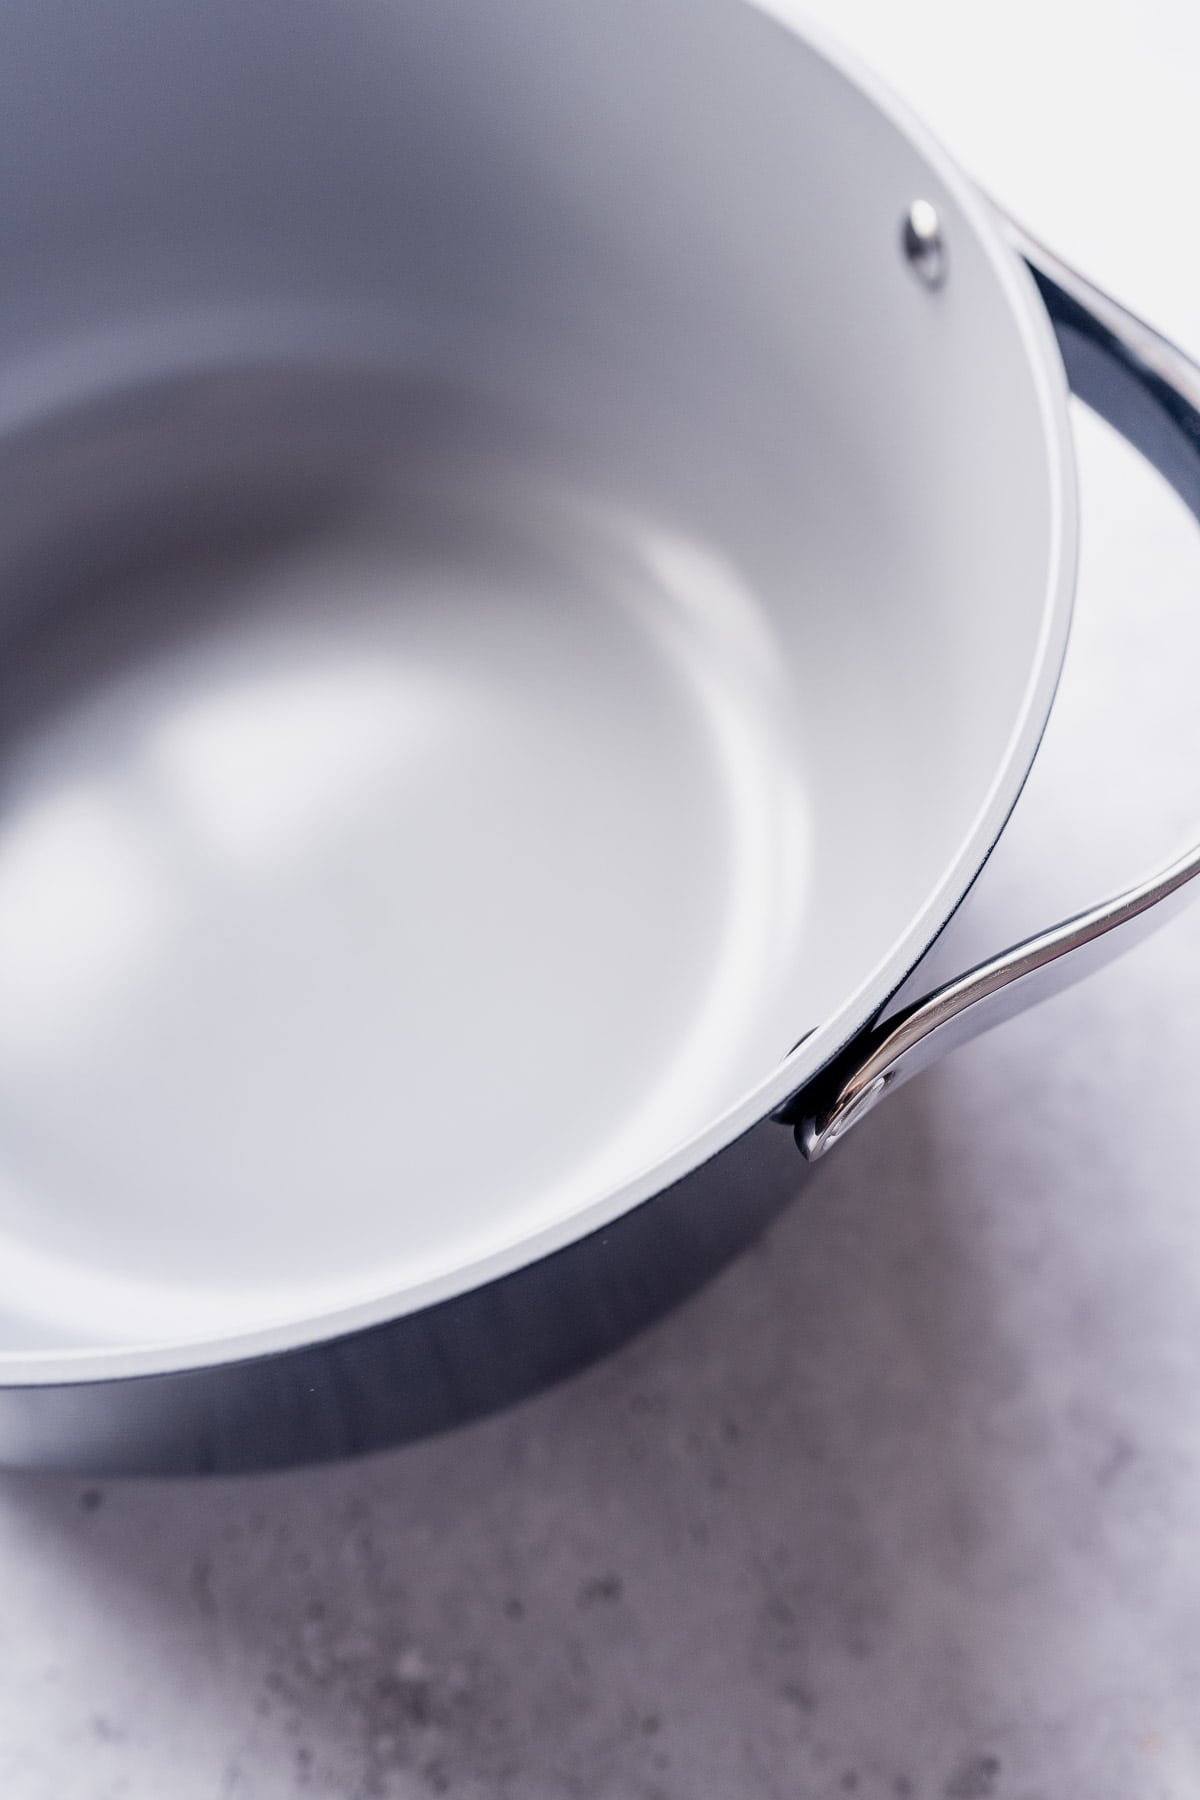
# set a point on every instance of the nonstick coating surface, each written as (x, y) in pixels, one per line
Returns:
(520, 610)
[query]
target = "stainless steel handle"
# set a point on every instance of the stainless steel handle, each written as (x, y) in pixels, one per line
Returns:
(1150, 392)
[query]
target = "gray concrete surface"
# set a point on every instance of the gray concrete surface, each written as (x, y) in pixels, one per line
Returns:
(907, 1505)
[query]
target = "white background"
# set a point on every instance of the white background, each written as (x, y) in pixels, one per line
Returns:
(909, 1502)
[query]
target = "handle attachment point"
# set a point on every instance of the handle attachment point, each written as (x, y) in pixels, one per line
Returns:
(1150, 392)
(925, 243)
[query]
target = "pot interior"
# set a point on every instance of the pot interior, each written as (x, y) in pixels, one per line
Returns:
(519, 606)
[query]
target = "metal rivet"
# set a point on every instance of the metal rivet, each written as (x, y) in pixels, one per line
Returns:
(924, 245)
(814, 1139)
(857, 1109)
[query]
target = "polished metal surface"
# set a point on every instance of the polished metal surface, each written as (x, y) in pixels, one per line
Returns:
(924, 243)
(1150, 391)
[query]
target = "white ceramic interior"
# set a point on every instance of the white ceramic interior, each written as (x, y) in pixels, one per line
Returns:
(518, 607)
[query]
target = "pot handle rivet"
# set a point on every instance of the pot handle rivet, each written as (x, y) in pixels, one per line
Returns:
(924, 244)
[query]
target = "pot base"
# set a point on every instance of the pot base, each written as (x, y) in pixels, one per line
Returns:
(397, 841)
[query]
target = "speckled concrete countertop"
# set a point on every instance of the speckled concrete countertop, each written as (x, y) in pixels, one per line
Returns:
(907, 1505)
